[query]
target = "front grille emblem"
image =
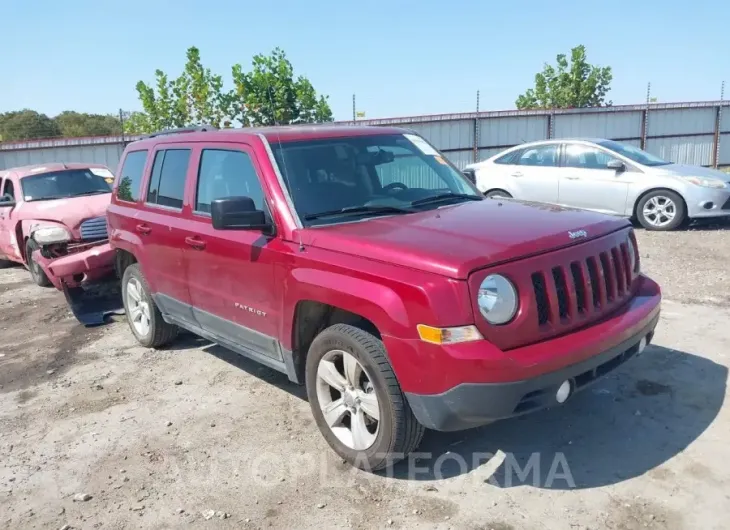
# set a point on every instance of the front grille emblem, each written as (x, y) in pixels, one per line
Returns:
(577, 234)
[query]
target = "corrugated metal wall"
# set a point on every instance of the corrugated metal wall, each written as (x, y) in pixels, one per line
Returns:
(680, 132)
(97, 154)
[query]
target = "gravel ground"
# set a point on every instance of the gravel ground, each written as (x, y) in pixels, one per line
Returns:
(97, 432)
(691, 265)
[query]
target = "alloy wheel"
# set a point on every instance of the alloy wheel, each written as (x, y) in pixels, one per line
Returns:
(659, 211)
(348, 400)
(138, 307)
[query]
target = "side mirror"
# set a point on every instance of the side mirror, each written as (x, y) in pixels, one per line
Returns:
(616, 165)
(6, 201)
(237, 213)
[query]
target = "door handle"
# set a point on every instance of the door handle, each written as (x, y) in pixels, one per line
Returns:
(143, 229)
(517, 174)
(197, 244)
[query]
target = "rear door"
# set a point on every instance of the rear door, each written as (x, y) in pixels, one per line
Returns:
(160, 226)
(231, 273)
(587, 182)
(534, 173)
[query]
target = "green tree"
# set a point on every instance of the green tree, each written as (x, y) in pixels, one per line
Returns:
(74, 124)
(27, 124)
(270, 93)
(574, 85)
(137, 123)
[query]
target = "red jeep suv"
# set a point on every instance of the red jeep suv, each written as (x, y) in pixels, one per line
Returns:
(360, 262)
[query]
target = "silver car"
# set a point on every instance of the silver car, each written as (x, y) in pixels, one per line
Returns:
(605, 176)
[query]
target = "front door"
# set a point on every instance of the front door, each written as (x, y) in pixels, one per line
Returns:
(231, 273)
(587, 182)
(535, 173)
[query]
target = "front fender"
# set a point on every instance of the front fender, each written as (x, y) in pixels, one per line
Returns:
(377, 302)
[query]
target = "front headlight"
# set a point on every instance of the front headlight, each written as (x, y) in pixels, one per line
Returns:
(51, 234)
(707, 182)
(497, 299)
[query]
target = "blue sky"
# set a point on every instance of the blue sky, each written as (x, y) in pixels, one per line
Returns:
(400, 57)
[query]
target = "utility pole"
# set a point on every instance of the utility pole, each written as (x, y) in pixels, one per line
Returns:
(354, 113)
(475, 155)
(645, 117)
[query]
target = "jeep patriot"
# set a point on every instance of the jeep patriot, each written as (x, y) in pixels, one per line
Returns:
(361, 263)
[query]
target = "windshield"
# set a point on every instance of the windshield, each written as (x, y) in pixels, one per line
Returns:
(65, 184)
(634, 153)
(341, 179)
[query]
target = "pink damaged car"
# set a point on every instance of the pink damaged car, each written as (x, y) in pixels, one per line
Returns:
(53, 220)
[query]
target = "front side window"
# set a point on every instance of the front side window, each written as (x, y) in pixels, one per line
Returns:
(63, 185)
(226, 173)
(586, 157)
(541, 155)
(338, 179)
(634, 153)
(167, 183)
(509, 158)
(130, 178)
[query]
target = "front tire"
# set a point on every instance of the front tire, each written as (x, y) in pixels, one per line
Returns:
(143, 315)
(36, 272)
(661, 210)
(356, 400)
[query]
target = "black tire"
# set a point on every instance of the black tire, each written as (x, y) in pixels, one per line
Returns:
(4, 263)
(399, 432)
(160, 332)
(36, 272)
(680, 216)
(497, 194)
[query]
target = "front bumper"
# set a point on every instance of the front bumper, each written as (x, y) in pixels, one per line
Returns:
(75, 269)
(707, 202)
(527, 378)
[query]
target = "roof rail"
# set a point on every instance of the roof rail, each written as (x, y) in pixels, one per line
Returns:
(197, 128)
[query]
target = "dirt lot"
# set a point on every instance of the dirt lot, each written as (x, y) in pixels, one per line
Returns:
(196, 436)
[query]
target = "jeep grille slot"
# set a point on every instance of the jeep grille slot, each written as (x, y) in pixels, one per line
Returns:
(93, 229)
(543, 306)
(589, 285)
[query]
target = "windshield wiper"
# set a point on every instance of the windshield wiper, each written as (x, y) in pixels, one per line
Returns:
(446, 196)
(357, 210)
(94, 192)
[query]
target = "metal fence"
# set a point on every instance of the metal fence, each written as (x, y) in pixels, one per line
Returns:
(691, 133)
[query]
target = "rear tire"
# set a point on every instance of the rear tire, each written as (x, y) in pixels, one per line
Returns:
(661, 210)
(36, 272)
(143, 315)
(389, 437)
(4, 264)
(497, 194)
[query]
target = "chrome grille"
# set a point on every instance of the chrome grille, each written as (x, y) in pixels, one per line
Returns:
(92, 229)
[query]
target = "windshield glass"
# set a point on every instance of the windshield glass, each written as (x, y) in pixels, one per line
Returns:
(634, 153)
(341, 179)
(64, 184)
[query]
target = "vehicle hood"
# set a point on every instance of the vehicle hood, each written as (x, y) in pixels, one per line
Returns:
(686, 170)
(70, 212)
(455, 240)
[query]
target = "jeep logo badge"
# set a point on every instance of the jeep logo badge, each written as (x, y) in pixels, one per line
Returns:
(577, 234)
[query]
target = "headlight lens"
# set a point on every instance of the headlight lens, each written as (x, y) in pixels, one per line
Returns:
(707, 182)
(497, 299)
(51, 234)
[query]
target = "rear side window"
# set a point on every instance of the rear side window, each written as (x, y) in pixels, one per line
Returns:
(542, 155)
(227, 174)
(167, 184)
(130, 178)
